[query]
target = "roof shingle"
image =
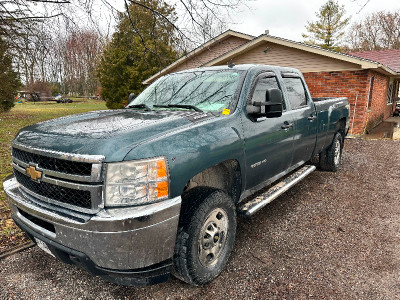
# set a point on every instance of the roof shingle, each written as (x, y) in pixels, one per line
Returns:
(390, 58)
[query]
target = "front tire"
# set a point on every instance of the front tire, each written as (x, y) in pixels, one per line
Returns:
(329, 160)
(206, 235)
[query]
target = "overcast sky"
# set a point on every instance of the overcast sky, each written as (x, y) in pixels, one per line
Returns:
(287, 18)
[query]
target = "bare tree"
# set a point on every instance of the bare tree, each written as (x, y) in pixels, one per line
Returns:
(20, 16)
(32, 52)
(58, 41)
(80, 54)
(380, 30)
(28, 27)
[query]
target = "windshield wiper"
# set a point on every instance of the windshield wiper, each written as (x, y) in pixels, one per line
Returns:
(140, 106)
(188, 106)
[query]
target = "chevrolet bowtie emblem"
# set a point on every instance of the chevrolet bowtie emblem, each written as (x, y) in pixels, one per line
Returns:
(33, 173)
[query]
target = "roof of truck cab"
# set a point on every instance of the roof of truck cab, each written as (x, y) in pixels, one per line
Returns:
(240, 67)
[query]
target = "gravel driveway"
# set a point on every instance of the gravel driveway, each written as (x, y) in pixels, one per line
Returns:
(333, 236)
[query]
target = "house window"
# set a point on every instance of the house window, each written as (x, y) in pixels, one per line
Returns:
(396, 91)
(371, 89)
(390, 91)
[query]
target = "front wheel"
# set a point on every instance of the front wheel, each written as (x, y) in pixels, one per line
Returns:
(205, 236)
(329, 159)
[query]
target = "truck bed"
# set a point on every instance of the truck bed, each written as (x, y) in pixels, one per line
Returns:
(318, 99)
(329, 110)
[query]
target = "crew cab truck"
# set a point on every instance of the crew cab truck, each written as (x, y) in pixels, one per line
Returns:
(135, 194)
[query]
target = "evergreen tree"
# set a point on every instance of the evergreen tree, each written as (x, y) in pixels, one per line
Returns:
(9, 79)
(142, 45)
(328, 29)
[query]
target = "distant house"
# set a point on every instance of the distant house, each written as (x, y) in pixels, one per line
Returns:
(370, 82)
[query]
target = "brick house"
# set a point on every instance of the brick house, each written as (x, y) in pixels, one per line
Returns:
(370, 82)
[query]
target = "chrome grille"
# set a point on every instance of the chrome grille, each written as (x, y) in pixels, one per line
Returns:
(53, 164)
(69, 180)
(62, 194)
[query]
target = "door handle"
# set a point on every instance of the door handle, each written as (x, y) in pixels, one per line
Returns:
(287, 125)
(311, 118)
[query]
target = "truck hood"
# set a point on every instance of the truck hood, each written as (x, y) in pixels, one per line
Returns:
(112, 133)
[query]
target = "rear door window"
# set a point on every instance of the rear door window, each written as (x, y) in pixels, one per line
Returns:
(296, 92)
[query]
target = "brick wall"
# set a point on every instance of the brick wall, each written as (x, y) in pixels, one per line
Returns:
(379, 109)
(355, 86)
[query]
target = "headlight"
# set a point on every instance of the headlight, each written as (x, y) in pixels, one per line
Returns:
(136, 182)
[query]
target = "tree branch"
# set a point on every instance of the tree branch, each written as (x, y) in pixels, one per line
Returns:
(36, 18)
(137, 31)
(160, 15)
(51, 1)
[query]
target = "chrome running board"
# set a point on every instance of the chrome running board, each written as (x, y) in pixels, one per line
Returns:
(254, 205)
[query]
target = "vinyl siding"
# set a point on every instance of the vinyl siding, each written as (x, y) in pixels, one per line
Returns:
(278, 55)
(205, 55)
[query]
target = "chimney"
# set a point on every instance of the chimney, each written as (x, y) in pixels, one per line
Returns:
(267, 31)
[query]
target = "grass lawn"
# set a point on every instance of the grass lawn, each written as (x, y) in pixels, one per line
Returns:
(22, 115)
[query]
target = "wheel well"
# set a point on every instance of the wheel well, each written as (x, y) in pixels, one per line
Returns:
(341, 127)
(225, 176)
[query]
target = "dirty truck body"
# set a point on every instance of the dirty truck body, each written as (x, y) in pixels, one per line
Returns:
(135, 194)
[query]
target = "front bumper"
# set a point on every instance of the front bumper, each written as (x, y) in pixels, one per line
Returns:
(131, 246)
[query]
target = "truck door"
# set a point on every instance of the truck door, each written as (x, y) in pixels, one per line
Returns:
(304, 115)
(268, 141)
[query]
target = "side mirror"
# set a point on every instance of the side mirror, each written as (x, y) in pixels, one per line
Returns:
(271, 108)
(131, 97)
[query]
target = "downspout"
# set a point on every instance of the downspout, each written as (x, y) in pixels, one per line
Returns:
(354, 114)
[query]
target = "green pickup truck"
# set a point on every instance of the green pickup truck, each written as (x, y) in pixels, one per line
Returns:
(138, 193)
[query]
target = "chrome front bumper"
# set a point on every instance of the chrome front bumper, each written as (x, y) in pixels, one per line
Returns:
(118, 238)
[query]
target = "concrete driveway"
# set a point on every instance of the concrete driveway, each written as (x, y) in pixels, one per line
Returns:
(388, 129)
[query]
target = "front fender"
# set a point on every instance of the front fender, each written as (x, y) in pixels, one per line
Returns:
(193, 149)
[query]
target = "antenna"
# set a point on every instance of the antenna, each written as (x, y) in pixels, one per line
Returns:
(231, 64)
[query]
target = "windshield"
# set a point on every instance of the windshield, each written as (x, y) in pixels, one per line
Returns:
(205, 90)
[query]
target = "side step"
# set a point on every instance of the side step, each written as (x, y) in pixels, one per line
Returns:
(254, 205)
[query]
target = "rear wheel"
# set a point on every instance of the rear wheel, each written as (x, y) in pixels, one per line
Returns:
(329, 159)
(205, 236)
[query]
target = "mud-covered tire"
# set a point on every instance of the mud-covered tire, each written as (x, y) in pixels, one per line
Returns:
(329, 160)
(206, 235)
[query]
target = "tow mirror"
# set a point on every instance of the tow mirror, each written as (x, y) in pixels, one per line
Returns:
(131, 97)
(271, 108)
